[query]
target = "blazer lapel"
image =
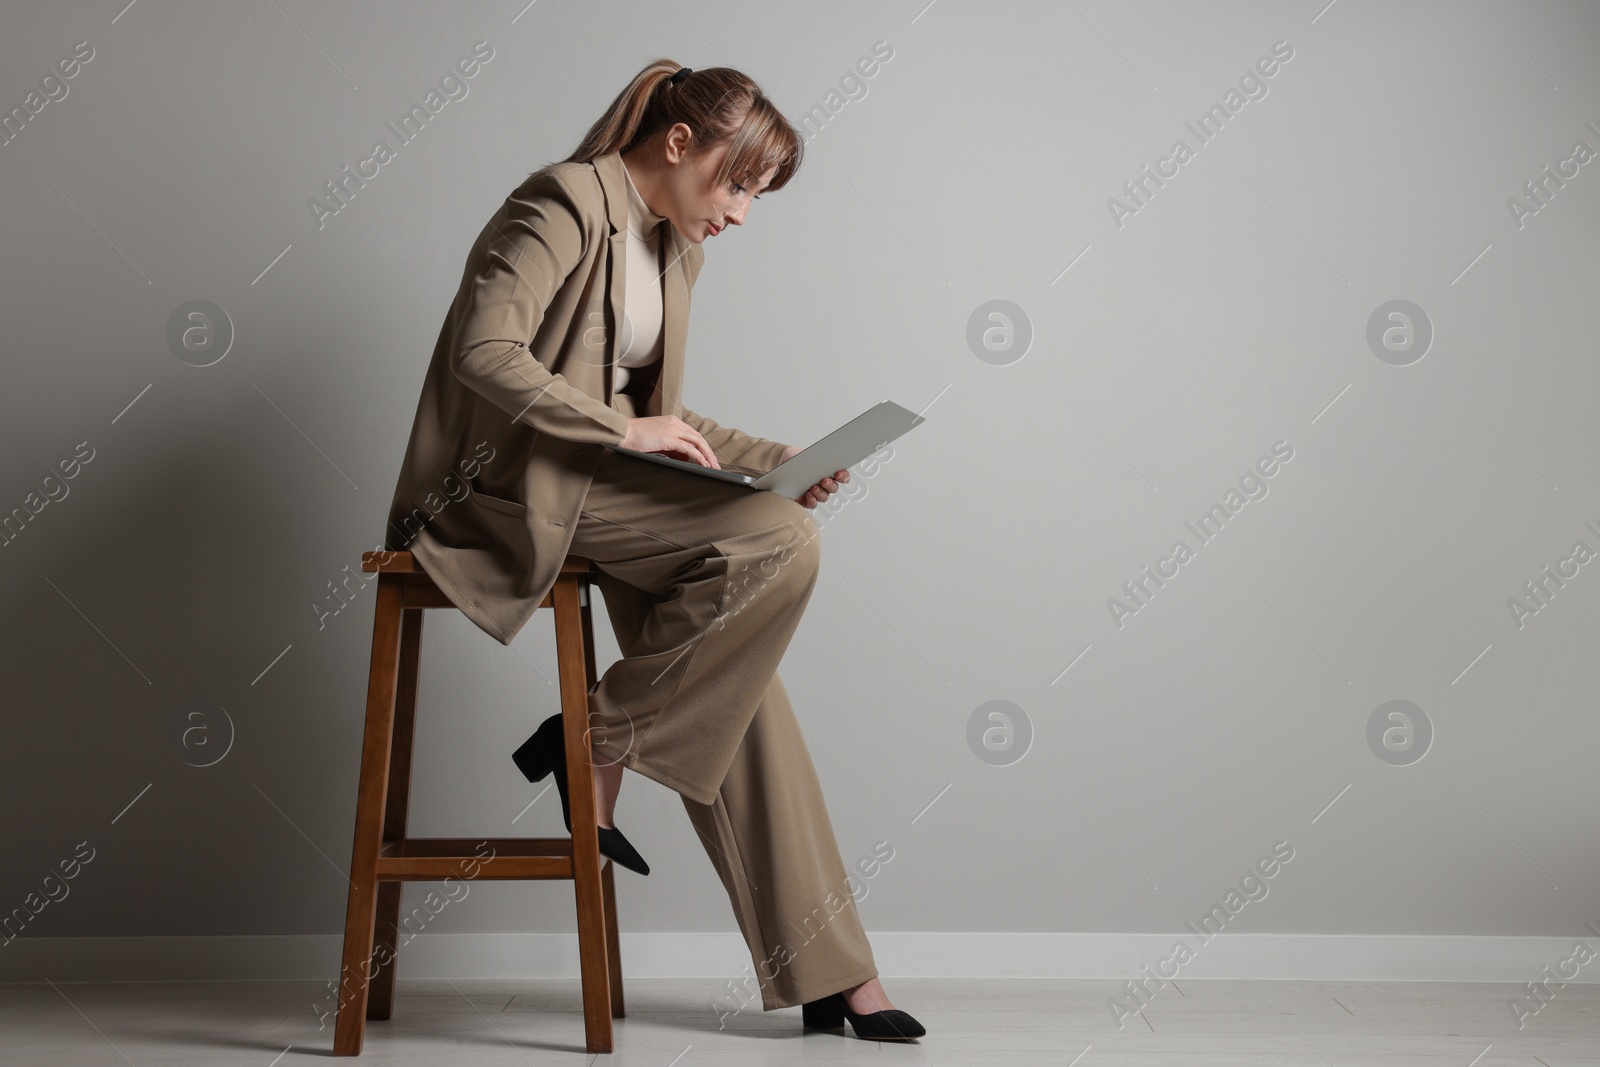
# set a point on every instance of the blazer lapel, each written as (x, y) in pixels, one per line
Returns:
(674, 321)
(614, 183)
(664, 398)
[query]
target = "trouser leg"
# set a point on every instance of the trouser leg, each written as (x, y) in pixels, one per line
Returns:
(731, 570)
(769, 835)
(770, 839)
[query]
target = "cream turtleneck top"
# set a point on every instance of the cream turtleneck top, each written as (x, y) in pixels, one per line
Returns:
(639, 343)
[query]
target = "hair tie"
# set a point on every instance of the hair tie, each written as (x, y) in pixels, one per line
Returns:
(682, 73)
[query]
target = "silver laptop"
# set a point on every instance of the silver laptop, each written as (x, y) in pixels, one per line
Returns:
(840, 450)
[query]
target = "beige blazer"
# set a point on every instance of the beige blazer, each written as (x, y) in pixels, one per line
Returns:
(516, 406)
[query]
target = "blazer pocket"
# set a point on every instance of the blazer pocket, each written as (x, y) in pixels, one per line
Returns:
(499, 503)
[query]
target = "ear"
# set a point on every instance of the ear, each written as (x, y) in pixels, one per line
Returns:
(677, 142)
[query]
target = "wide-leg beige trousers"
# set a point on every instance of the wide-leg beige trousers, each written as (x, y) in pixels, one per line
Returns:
(705, 583)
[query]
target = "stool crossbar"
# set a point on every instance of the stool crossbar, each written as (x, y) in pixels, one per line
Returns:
(383, 856)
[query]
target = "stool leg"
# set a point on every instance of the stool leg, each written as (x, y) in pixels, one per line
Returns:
(586, 876)
(380, 998)
(613, 943)
(589, 672)
(608, 883)
(350, 1025)
(380, 991)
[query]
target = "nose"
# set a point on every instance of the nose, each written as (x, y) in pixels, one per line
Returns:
(737, 217)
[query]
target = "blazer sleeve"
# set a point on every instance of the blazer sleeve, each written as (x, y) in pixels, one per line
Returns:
(527, 257)
(735, 447)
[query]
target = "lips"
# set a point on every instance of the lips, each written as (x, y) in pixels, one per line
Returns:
(715, 229)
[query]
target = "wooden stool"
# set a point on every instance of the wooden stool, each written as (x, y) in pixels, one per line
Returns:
(383, 856)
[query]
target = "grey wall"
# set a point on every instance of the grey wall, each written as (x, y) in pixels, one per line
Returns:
(1228, 313)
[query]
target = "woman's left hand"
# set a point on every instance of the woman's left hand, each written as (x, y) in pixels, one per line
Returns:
(823, 489)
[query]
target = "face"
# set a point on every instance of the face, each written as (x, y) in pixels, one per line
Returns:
(694, 203)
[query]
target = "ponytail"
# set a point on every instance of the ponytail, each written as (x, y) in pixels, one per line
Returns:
(720, 105)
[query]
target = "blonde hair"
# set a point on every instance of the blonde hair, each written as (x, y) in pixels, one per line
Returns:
(719, 105)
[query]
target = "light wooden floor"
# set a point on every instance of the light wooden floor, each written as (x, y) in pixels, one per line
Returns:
(673, 1023)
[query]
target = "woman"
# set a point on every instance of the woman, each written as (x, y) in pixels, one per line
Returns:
(565, 342)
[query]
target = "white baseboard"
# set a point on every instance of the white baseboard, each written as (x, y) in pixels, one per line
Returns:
(1352, 958)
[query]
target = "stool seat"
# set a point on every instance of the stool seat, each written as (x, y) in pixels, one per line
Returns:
(383, 856)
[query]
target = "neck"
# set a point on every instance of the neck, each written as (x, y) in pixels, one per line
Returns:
(646, 178)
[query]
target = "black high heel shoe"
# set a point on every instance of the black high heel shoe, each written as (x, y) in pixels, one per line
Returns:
(831, 1011)
(546, 752)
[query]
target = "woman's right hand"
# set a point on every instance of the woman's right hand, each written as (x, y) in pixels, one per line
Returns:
(672, 436)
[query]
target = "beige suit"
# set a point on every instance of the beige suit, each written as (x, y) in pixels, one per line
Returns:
(522, 373)
(507, 471)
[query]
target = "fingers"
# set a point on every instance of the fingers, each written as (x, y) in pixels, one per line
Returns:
(701, 446)
(688, 452)
(819, 493)
(699, 451)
